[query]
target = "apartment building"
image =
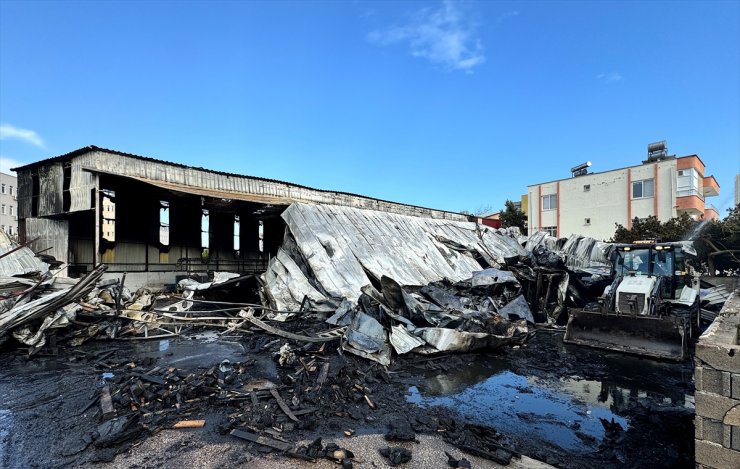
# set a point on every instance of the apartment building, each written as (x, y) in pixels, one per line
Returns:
(590, 204)
(9, 204)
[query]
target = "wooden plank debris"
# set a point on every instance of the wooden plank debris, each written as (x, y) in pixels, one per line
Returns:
(283, 406)
(190, 424)
(249, 316)
(107, 411)
(262, 440)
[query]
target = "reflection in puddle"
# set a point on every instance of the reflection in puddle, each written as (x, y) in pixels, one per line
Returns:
(517, 406)
(6, 424)
(565, 412)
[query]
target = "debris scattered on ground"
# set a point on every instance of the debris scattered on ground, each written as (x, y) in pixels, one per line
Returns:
(338, 349)
(396, 456)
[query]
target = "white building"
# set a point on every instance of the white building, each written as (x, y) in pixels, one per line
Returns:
(9, 204)
(591, 204)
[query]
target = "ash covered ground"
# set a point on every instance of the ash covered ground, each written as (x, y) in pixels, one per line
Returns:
(567, 406)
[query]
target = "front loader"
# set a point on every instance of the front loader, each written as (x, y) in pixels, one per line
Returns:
(649, 309)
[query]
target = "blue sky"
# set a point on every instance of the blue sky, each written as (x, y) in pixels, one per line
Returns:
(452, 105)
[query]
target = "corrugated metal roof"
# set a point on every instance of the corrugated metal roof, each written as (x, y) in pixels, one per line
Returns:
(339, 246)
(93, 148)
(23, 261)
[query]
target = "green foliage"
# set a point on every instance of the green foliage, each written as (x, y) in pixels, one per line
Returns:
(648, 228)
(717, 242)
(512, 216)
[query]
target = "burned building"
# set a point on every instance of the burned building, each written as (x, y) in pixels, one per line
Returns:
(153, 219)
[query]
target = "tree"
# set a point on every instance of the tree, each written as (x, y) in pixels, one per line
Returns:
(647, 228)
(513, 216)
(718, 243)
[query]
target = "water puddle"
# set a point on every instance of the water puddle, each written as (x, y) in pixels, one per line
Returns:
(519, 406)
(190, 352)
(566, 412)
(6, 425)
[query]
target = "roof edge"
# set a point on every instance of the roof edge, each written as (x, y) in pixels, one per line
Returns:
(92, 148)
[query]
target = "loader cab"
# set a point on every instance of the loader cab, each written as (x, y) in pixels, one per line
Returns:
(652, 260)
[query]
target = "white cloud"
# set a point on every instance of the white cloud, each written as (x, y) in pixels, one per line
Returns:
(7, 163)
(443, 36)
(610, 77)
(28, 136)
(505, 16)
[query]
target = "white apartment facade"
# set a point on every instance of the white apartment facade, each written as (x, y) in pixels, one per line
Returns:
(9, 204)
(591, 204)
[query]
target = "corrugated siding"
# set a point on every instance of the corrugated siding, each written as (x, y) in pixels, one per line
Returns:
(22, 261)
(80, 187)
(82, 251)
(267, 191)
(25, 191)
(50, 189)
(341, 244)
(51, 233)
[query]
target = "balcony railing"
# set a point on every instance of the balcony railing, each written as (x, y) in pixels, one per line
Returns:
(689, 192)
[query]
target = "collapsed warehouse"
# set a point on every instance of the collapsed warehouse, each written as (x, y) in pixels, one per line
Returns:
(300, 274)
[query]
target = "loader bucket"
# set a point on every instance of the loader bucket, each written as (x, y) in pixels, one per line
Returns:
(641, 335)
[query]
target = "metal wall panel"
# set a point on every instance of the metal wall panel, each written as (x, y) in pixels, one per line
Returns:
(50, 189)
(52, 234)
(81, 186)
(25, 190)
(18, 262)
(264, 190)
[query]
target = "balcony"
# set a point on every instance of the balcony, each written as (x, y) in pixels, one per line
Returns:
(711, 188)
(691, 204)
(689, 192)
(711, 213)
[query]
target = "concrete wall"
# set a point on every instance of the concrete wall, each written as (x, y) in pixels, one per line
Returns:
(717, 375)
(9, 219)
(592, 204)
(152, 280)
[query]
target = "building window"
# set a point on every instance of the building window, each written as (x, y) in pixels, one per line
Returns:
(10, 230)
(3, 210)
(204, 230)
(586, 187)
(11, 190)
(11, 209)
(164, 223)
(108, 204)
(587, 221)
(3, 189)
(261, 230)
(643, 189)
(237, 233)
(549, 202)
(551, 230)
(687, 183)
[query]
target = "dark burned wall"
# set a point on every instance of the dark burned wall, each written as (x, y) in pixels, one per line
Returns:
(42, 190)
(274, 230)
(137, 243)
(64, 191)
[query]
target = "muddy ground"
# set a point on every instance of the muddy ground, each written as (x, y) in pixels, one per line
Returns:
(564, 405)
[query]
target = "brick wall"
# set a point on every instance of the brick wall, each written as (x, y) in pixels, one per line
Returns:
(717, 376)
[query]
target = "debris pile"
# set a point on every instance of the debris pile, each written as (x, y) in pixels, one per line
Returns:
(483, 312)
